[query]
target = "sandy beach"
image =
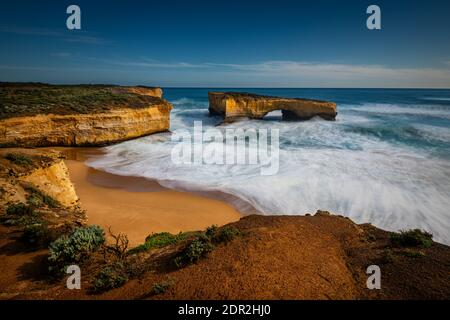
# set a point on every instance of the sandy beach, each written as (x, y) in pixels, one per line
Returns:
(139, 207)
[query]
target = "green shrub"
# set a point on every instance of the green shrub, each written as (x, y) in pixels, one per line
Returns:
(211, 231)
(36, 234)
(197, 249)
(75, 247)
(161, 287)
(110, 277)
(226, 234)
(204, 243)
(19, 209)
(412, 238)
(19, 159)
(160, 240)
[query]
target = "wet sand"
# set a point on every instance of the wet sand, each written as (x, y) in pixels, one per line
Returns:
(138, 207)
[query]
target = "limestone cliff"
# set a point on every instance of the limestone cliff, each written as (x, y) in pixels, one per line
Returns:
(42, 115)
(84, 129)
(22, 170)
(145, 91)
(233, 105)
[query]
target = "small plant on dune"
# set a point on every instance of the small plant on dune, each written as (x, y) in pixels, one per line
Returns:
(110, 277)
(162, 287)
(119, 265)
(204, 243)
(412, 238)
(222, 235)
(19, 159)
(120, 246)
(211, 231)
(75, 247)
(226, 234)
(160, 240)
(198, 248)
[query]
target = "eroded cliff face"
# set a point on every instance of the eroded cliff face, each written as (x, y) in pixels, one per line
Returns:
(84, 129)
(145, 91)
(44, 115)
(54, 181)
(233, 105)
(22, 170)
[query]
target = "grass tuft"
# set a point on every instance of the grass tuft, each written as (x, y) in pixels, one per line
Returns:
(160, 240)
(19, 159)
(412, 238)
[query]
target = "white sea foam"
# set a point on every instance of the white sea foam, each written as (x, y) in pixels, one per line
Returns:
(434, 133)
(437, 98)
(322, 166)
(395, 109)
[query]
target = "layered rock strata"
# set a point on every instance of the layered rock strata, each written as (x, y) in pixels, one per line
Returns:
(235, 105)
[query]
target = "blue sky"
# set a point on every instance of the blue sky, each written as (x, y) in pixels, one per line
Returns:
(322, 43)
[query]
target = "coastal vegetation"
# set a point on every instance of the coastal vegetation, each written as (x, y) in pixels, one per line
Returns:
(42, 115)
(163, 286)
(204, 243)
(27, 99)
(412, 238)
(160, 240)
(19, 159)
(75, 247)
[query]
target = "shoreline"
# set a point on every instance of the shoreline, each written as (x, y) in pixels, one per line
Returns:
(141, 206)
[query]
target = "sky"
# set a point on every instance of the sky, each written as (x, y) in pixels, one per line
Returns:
(215, 43)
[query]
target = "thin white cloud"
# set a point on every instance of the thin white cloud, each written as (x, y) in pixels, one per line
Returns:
(294, 73)
(75, 36)
(265, 74)
(150, 63)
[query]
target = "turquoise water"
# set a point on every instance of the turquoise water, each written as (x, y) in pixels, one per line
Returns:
(385, 160)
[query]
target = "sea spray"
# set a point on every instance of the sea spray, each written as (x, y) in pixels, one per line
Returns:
(212, 147)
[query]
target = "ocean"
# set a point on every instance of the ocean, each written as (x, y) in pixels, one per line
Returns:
(385, 160)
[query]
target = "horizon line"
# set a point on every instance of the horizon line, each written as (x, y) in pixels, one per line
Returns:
(222, 87)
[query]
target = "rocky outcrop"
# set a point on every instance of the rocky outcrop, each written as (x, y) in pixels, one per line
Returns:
(43, 170)
(145, 91)
(55, 182)
(234, 105)
(84, 129)
(80, 116)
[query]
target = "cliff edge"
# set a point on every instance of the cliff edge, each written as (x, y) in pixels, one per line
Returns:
(40, 115)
